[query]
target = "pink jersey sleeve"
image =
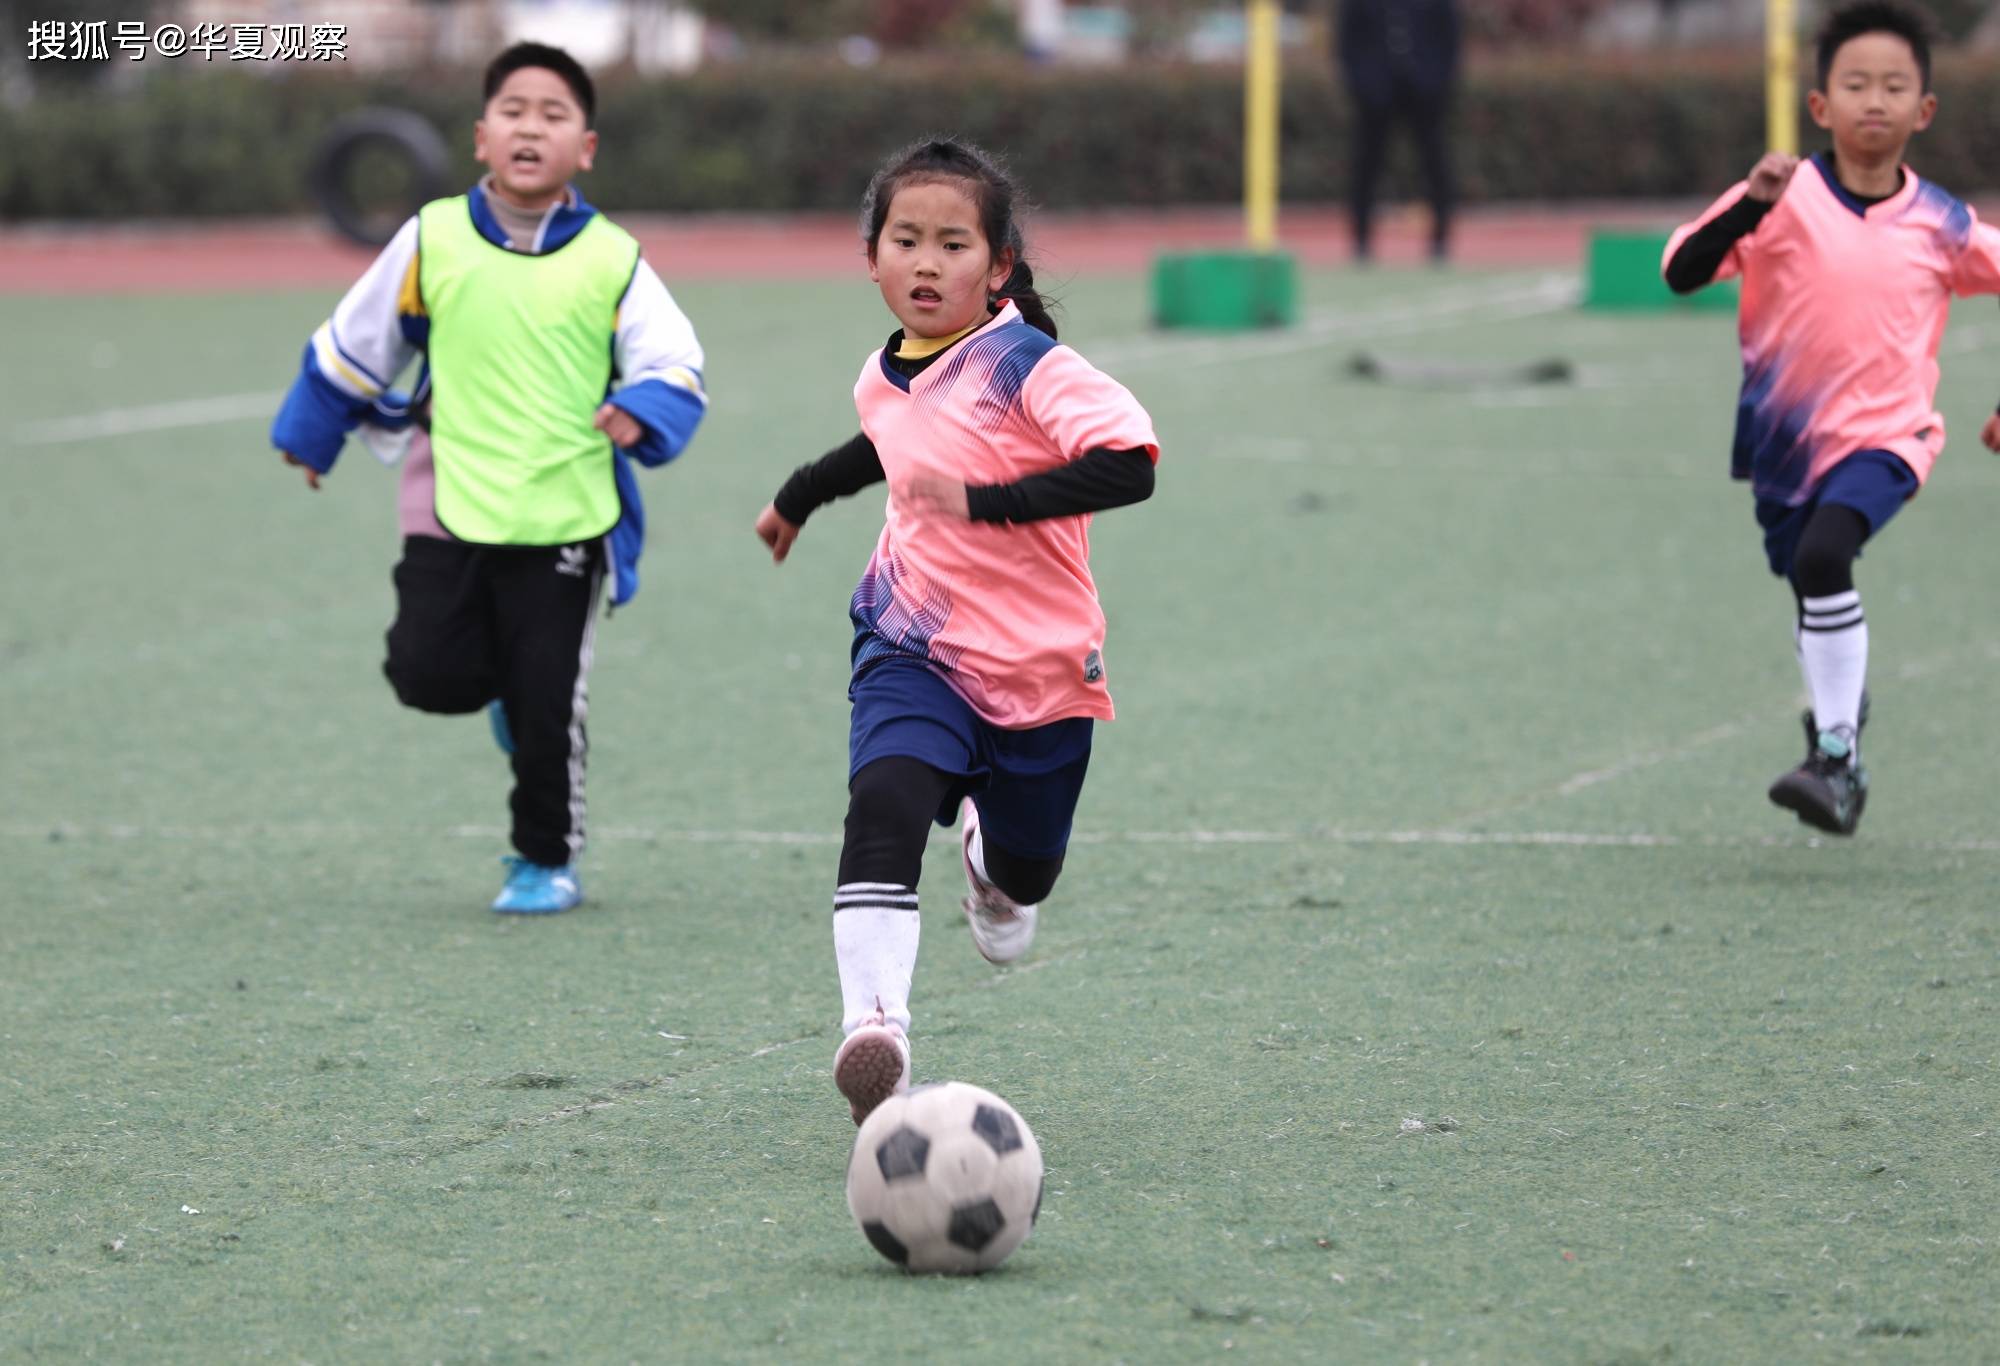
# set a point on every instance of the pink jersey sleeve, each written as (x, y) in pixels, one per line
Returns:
(1732, 264)
(1080, 408)
(1977, 270)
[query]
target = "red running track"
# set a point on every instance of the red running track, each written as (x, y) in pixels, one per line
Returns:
(281, 254)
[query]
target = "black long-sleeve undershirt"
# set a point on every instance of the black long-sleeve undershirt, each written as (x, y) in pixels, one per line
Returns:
(842, 471)
(1695, 264)
(1095, 481)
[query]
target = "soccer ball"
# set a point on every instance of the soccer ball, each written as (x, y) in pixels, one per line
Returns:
(945, 1177)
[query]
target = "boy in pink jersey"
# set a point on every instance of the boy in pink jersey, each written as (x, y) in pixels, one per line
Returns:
(1849, 263)
(978, 640)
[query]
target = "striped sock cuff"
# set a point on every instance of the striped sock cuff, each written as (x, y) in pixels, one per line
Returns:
(881, 896)
(1835, 612)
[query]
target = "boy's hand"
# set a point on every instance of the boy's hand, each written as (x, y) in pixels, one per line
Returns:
(938, 493)
(775, 532)
(1769, 177)
(312, 475)
(1990, 433)
(619, 425)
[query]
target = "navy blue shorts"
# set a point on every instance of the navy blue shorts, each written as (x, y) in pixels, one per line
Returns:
(1024, 782)
(1875, 484)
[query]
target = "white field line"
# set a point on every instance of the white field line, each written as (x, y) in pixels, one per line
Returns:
(1965, 341)
(1639, 760)
(1632, 763)
(1493, 462)
(1486, 303)
(1546, 294)
(1582, 839)
(193, 412)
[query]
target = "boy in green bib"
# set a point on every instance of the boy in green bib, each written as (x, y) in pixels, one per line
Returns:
(553, 358)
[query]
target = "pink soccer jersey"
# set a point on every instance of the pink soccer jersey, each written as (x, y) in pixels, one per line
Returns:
(1007, 612)
(1842, 310)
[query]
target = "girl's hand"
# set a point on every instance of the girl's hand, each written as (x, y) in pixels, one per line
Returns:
(1990, 433)
(1769, 176)
(937, 493)
(312, 475)
(775, 532)
(619, 425)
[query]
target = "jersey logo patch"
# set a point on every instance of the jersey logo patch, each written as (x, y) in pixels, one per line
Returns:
(1093, 668)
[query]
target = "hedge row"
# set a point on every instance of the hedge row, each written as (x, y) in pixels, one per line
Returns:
(806, 136)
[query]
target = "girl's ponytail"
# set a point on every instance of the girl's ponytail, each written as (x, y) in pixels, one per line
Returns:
(1020, 287)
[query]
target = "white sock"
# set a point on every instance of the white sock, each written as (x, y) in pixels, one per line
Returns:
(976, 854)
(875, 927)
(1833, 648)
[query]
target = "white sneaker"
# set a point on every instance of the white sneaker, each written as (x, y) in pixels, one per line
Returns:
(871, 1065)
(1002, 928)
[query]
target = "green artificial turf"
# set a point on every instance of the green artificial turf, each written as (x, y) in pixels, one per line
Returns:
(1430, 978)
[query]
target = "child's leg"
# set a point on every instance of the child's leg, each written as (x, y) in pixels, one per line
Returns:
(1026, 810)
(891, 804)
(545, 610)
(1024, 881)
(1016, 834)
(440, 656)
(1023, 831)
(1833, 633)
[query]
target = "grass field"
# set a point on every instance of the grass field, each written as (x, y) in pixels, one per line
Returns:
(1436, 795)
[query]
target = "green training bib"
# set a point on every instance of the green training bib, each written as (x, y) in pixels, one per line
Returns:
(520, 354)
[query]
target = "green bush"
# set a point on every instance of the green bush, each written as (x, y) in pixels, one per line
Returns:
(805, 135)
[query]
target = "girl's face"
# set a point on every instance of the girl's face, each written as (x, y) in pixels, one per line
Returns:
(933, 261)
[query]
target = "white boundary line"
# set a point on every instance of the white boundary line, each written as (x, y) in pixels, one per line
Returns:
(193, 412)
(1498, 462)
(57, 831)
(1639, 760)
(1486, 303)
(1491, 302)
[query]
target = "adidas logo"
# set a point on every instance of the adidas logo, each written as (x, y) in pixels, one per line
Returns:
(573, 560)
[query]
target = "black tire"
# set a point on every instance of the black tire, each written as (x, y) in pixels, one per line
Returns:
(402, 133)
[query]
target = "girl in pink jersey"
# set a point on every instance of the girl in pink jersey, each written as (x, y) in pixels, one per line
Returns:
(978, 656)
(1849, 264)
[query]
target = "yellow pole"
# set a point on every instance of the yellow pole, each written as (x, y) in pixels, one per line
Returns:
(1781, 75)
(1260, 125)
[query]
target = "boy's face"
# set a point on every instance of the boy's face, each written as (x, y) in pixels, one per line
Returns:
(533, 137)
(1874, 97)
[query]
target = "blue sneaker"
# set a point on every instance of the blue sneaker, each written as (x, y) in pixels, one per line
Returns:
(535, 889)
(503, 734)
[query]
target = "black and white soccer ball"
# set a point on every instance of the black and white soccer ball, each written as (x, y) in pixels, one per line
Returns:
(945, 1177)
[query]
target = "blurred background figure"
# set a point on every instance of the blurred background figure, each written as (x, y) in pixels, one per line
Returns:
(1400, 60)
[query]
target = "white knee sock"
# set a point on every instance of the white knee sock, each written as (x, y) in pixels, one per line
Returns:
(875, 928)
(1833, 649)
(976, 855)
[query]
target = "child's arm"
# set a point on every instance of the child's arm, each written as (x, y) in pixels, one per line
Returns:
(352, 359)
(1977, 271)
(659, 364)
(1708, 249)
(840, 472)
(1104, 437)
(1096, 481)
